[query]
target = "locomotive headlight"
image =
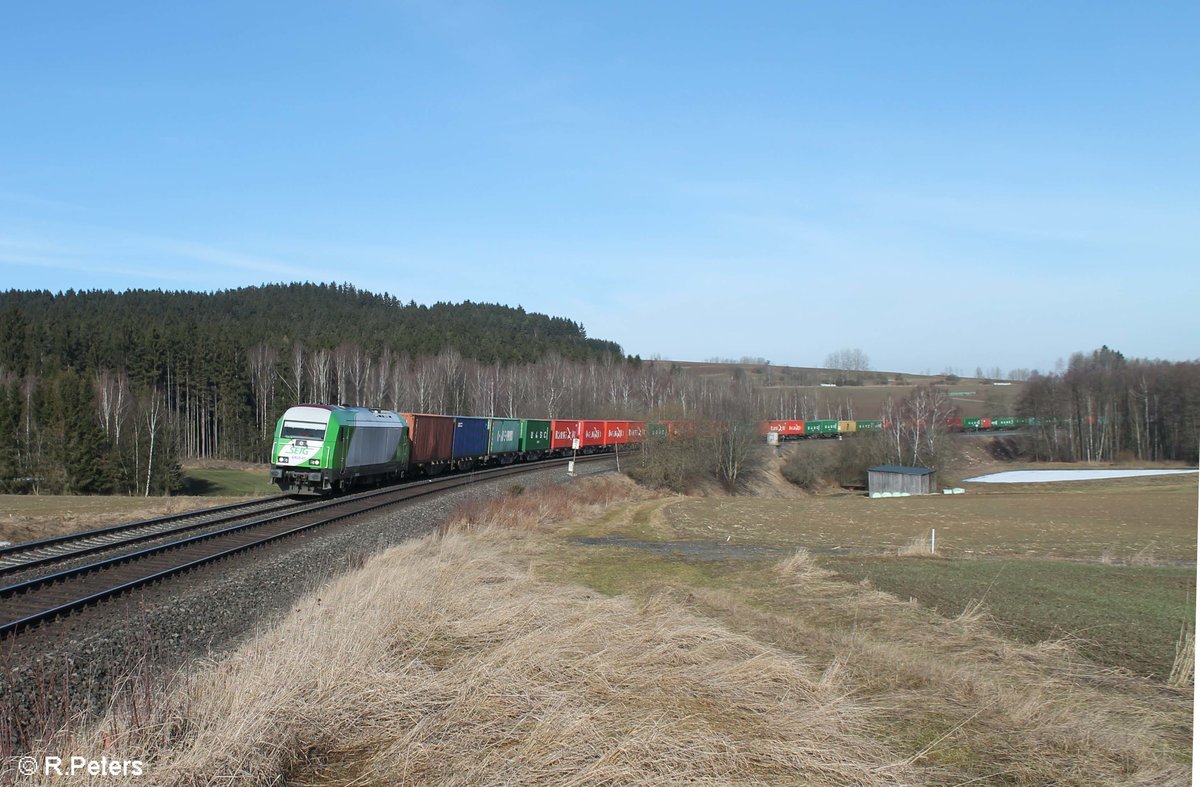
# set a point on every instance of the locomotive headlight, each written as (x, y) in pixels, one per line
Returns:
(314, 461)
(283, 460)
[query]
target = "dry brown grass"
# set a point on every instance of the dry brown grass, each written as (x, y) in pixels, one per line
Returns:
(965, 702)
(456, 659)
(1183, 671)
(446, 661)
(801, 566)
(524, 509)
(921, 546)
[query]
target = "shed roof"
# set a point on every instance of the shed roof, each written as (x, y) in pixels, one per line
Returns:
(902, 470)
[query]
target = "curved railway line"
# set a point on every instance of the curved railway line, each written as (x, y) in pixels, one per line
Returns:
(224, 531)
(18, 558)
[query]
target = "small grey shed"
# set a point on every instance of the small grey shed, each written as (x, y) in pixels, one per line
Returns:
(894, 478)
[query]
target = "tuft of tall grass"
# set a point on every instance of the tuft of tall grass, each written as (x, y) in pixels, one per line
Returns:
(1183, 670)
(921, 546)
(801, 566)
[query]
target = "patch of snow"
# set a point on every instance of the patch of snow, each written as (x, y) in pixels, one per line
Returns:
(1042, 476)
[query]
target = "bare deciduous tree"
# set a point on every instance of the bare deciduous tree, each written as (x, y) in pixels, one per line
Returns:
(850, 359)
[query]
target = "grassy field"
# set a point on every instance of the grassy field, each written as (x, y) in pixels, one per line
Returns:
(239, 481)
(505, 649)
(1118, 616)
(1110, 567)
(1140, 520)
(29, 517)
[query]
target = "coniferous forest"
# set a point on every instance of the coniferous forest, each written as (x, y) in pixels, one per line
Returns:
(104, 392)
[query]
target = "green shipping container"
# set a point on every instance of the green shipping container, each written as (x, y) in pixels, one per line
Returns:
(870, 426)
(504, 436)
(972, 423)
(656, 430)
(535, 435)
(820, 427)
(1004, 423)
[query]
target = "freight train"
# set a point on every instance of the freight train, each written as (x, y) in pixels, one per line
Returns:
(326, 448)
(798, 430)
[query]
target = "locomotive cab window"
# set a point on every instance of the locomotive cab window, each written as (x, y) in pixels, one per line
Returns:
(303, 429)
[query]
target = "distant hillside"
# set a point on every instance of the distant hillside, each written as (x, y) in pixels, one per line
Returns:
(813, 392)
(42, 332)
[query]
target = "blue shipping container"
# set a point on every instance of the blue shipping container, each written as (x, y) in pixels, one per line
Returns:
(470, 437)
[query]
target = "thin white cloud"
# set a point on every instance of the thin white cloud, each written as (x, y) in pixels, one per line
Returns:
(146, 259)
(223, 257)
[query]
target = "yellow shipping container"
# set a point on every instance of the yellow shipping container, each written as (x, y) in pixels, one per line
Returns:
(847, 426)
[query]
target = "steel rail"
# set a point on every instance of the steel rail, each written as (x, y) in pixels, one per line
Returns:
(158, 528)
(100, 531)
(394, 495)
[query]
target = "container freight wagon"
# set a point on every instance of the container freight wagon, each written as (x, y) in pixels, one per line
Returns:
(827, 428)
(504, 439)
(432, 441)
(870, 426)
(535, 437)
(637, 431)
(470, 440)
(320, 449)
(657, 430)
(591, 434)
(785, 429)
(563, 434)
(681, 430)
(616, 432)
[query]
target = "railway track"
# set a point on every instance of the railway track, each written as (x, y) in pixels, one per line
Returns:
(18, 558)
(47, 597)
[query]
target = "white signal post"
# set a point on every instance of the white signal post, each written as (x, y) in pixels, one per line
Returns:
(571, 464)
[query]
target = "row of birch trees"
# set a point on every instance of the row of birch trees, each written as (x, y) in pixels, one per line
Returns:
(1105, 407)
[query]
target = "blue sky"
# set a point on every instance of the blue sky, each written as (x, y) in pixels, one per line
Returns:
(939, 184)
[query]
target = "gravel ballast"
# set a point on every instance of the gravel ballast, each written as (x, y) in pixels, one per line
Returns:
(69, 669)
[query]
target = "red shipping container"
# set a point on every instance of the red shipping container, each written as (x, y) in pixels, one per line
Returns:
(562, 433)
(637, 431)
(953, 424)
(616, 432)
(591, 433)
(432, 437)
(985, 423)
(782, 427)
